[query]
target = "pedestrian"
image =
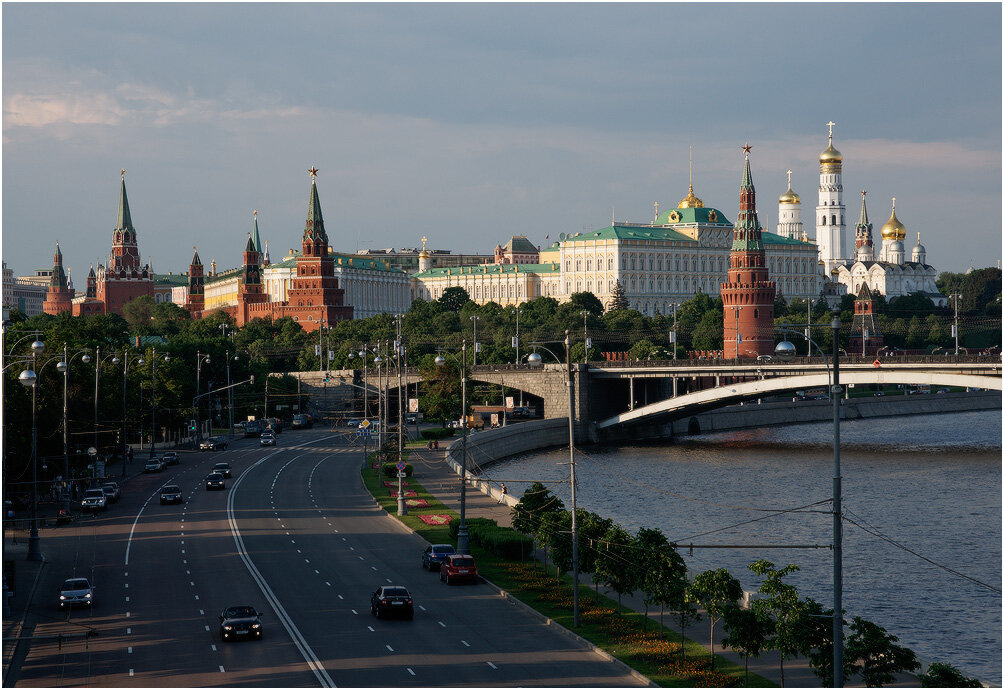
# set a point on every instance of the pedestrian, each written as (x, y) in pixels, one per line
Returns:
(436, 444)
(504, 491)
(129, 454)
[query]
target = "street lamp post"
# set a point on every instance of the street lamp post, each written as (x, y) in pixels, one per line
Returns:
(97, 378)
(535, 360)
(125, 373)
(402, 507)
(474, 319)
(29, 379)
(64, 368)
(153, 400)
(463, 541)
(785, 350)
(955, 325)
(199, 359)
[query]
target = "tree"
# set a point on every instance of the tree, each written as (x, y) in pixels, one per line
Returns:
(718, 592)
(617, 299)
(709, 333)
(587, 301)
(591, 528)
(941, 675)
(780, 605)
(645, 549)
(747, 634)
(454, 298)
(642, 349)
(527, 515)
(555, 533)
(879, 655)
(613, 563)
(664, 580)
(817, 629)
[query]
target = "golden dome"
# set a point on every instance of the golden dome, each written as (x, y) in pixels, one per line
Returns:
(831, 156)
(690, 201)
(789, 197)
(893, 229)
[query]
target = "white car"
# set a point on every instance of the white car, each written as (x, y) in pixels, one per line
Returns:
(94, 499)
(76, 591)
(267, 439)
(112, 491)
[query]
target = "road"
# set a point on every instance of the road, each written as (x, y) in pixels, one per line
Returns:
(296, 535)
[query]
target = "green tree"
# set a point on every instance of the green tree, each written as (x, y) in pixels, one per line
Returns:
(664, 580)
(454, 298)
(587, 301)
(591, 529)
(747, 633)
(877, 653)
(780, 605)
(645, 549)
(941, 675)
(555, 533)
(642, 349)
(617, 299)
(528, 514)
(613, 563)
(817, 629)
(709, 333)
(718, 592)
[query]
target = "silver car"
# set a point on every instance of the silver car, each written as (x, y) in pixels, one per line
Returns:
(94, 499)
(112, 491)
(76, 591)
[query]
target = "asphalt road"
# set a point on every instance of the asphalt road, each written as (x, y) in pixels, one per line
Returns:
(297, 536)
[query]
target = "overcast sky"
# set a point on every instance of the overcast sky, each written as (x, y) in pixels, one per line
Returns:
(469, 123)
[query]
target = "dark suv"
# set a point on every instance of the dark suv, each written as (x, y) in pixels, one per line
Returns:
(434, 555)
(240, 623)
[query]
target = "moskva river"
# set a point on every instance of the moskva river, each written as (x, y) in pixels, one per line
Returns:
(914, 488)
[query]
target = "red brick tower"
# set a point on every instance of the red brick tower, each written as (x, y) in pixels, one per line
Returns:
(89, 304)
(748, 294)
(124, 279)
(252, 300)
(196, 301)
(60, 296)
(865, 337)
(314, 297)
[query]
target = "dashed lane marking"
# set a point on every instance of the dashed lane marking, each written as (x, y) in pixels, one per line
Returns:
(441, 623)
(202, 612)
(213, 646)
(492, 665)
(389, 648)
(221, 670)
(127, 614)
(130, 650)
(355, 612)
(421, 607)
(128, 631)
(127, 600)
(372, 567)
(130, 673)
(465, 643)
(409, 671)
(317, 571)
(341, 597)
(370, 628)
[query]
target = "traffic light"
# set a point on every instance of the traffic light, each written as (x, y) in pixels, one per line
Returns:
(191, 425)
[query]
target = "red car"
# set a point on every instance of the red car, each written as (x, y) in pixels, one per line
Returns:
(457, 568)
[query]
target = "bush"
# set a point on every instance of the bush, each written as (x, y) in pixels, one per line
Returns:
(503, 542)
(436, 434)
(390, 469)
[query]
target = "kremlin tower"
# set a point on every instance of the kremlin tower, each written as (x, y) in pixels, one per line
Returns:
(196, 300)
(124, 279)
(60, 295)
(864, 249)
(748, 295)
(252, 298)
(830, 212)
(893, 234)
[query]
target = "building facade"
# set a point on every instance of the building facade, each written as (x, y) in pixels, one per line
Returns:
(22, 293)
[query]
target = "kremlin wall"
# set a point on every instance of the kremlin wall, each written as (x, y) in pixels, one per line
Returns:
(656, 265)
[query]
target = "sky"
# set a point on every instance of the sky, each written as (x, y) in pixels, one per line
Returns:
(469, 123)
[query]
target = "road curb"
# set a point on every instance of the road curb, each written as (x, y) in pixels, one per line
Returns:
(19, 625)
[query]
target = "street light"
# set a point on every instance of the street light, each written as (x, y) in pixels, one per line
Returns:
(463, 542)
(29, 378)
(785, 350)
(534, 360)
(98, 361)
(153, 400)
(64, 368)
(199, 359)
(125, 374)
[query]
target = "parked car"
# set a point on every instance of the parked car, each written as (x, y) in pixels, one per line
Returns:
(458, 568)
(153, 465)
(252, 428)
(94, 500)
(435, 554)
(267, 438)
(303, 421)
(170, 458)
(214, 443)
(171, 494)
(112, 491)
(223, 468)
(215, 480)
(240, 623)
(352, 422)
(76, 591)
(392, 599)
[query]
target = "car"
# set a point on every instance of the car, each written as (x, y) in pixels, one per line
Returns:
(240, 623)
(435, 554)
(392, 599)
(223, 468)
(153, 465)
(215, 480)
(112, 491)
(76, 591)
(214, 443)
(239, 426)
(252, 428)
(274, 424)
(171, 494)
(303, 421)
(352, 422)
(458, 568)
(878, 394)
(170, 458)
(267, 438)
(94, 500)
(941, 390)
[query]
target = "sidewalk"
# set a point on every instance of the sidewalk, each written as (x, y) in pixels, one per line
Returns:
(432, 471)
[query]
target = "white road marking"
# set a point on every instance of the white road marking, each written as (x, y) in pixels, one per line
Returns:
(421, 607)
(317, 571)
(465, 643)
(373, 567)
(191, 583)
(492, 665)
(202, 612)
(188, 572)
(298, 551)
(341, 597)
(213, 646)
(221, 670)
(207, 628)
(409, 671)
(130, 650)
(127, 575)
(389, 580)
(128, 631)
(196, 597)
(127, 599)
(130, 672)
(441, 623)
(293, 541)
(182, 541)
(389, 648)
(370, 628)
(127, 585)
(355, 612)
(127, 614)
(184, 562)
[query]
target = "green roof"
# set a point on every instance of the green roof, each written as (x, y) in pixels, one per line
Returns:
(630, 232)
(688, 216)
(174, 279)
(357, 262)
(771, 238)
(490, 269)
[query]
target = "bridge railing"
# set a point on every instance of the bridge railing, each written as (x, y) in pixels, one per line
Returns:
(768, 360)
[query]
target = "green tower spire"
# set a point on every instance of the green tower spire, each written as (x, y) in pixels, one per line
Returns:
(746, 235)
(315, 221)
(124, 221)
(254, 233)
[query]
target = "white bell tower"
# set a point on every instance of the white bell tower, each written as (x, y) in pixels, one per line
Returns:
(830, 222)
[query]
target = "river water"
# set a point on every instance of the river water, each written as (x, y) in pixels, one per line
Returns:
(931, 484)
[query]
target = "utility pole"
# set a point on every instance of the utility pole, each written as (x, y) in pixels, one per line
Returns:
(838, 548)
(571, 462)
(515, 344)
(475, 320)
(955, 326)
(585, 336)
(672, 341)
(402, 507)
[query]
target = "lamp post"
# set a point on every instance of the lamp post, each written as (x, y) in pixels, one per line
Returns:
(29, 378)
(98, 361)
(230, 398)
(535, 360)
(199, 359)
(515, 344)
(585, 335)
(785, 350)
(125, 373)
(153, 400)
(64, 368)
(402, 507)
(463, 541)
(955, 325)
(474, 319)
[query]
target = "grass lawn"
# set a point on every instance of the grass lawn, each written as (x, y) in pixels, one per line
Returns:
(654, 652)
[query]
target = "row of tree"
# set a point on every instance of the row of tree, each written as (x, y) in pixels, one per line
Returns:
(777, 620)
